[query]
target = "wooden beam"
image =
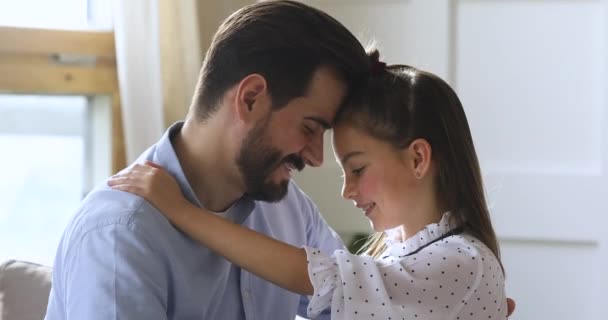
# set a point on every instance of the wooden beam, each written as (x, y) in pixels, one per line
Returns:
(48, 42)
(119, 155)
(41, 61)
(49, 79)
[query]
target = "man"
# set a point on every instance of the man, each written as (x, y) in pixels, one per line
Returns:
(272, 81)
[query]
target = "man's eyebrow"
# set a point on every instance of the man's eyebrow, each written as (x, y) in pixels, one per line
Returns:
(350, 155)
(326, 125)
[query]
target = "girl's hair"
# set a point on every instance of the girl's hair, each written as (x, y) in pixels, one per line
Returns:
(399, 104)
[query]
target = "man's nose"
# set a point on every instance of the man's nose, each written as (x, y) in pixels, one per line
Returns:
(313, 152)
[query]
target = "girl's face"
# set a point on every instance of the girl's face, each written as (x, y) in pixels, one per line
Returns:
(378, 178)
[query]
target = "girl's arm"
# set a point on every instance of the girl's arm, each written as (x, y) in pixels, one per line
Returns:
(275, 261)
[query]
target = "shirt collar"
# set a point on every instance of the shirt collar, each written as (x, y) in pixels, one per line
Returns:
(428, 234)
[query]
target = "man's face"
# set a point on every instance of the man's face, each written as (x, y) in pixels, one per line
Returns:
(258, 159)
(290, 138)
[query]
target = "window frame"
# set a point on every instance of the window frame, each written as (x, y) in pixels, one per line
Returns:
(64, 62)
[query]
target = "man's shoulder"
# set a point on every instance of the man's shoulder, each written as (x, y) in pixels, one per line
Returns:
(295, 194)
(107, 208)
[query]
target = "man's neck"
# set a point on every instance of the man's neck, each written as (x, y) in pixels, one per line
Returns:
(208, 166)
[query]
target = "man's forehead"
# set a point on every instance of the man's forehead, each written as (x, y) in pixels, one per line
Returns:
(326, 93)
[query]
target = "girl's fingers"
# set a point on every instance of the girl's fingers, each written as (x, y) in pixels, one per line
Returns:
(129, 188)
(147, 166)
(115, 181)
(152, 164)
(129, 177)
(141, 167)
(127, 174)
(139, 170)
(137, 179)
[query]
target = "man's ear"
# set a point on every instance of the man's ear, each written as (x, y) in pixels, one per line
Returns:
(419, 154)
(252, 100)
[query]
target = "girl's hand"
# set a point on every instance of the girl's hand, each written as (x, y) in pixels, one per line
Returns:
(155, 184)
(275, 261)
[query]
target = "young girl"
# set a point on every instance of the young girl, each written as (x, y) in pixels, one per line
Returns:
(409, 164)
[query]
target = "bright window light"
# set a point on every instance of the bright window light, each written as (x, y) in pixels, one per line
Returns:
(57, 14)
(42, 139)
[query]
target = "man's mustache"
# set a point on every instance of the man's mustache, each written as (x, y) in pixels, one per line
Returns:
(296, 161)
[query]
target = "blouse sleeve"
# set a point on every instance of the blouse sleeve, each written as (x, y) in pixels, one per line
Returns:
(335, 279)
(431, 284)
(323, 274)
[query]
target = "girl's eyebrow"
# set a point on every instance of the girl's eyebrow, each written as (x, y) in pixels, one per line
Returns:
(350, 155)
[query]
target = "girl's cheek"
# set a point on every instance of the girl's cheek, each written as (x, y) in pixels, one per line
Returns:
(368, 185)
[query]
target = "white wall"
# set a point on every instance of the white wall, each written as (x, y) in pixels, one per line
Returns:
(532, 76)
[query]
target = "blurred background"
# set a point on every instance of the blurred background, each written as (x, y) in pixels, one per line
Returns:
(87, 85)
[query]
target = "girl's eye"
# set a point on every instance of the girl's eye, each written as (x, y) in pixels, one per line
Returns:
(359, 171)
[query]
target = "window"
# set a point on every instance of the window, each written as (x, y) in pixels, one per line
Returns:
(60, 124)
(57, 14)
(42, 139)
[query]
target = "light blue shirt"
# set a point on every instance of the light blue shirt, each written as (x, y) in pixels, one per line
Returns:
(119, 258)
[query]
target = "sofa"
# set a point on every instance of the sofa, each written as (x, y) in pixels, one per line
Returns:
(24, 290)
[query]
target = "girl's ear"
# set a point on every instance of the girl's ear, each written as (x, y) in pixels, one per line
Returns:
(419, 154)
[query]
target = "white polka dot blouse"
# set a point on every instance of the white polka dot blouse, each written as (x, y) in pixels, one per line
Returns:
(436, 274)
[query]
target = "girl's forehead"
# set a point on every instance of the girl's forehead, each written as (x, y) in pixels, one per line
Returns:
(349, 134)
(344, 135)
(343, 140)
(344, 128)
(347, 139)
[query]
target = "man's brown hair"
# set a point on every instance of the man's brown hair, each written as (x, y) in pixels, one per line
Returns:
(285, 42)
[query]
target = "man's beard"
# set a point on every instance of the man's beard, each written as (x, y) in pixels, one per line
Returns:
(257, 160)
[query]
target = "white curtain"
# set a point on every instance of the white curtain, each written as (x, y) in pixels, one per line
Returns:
(160, 46)
(136, 28)
(181, 55)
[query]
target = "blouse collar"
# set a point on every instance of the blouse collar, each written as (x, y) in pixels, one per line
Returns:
(431, 232)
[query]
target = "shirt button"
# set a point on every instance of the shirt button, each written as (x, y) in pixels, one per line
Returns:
(246, 295)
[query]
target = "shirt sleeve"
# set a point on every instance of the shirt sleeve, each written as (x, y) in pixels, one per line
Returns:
(359, 287)
(114, 274)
